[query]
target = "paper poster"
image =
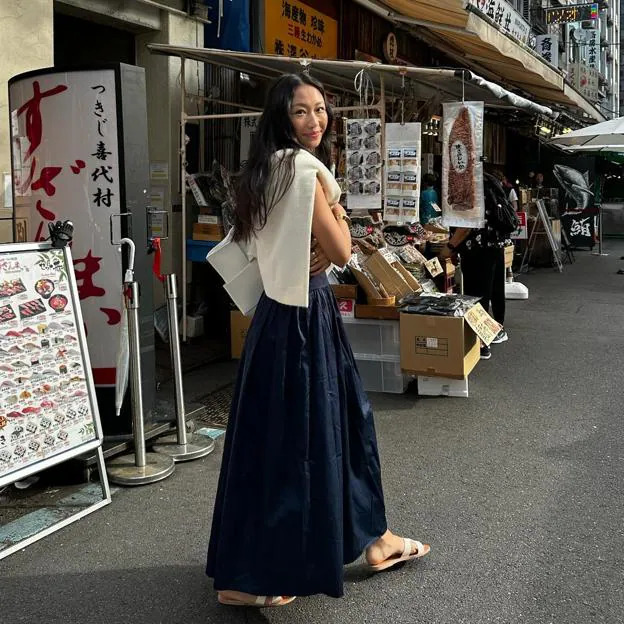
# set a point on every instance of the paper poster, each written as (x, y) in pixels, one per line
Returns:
(462, 167)
(364, 164)
(45, 398)
(403, 172)
(522, 232)
(482, 324)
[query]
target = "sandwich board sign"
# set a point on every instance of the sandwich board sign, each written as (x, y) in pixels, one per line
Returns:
(48, 409)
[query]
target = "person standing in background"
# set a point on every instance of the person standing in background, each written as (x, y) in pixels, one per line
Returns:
(428, 197)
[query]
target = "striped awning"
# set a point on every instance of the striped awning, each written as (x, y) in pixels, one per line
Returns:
(456, 25)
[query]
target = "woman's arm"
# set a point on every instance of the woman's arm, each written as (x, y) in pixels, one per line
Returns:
(330, 229)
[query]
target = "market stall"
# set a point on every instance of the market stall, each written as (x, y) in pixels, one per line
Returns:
(379, 167)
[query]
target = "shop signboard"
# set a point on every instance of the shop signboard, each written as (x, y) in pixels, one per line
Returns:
(572, 13)
(505, 17)
(292, 28)
(585, 80)
(521, 233)
(592, 38)
(580, 228)
(66, 166)
(547, 47)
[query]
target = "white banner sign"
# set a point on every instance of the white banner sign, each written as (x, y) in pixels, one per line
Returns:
(547, 47)
(66, 166)
(504, 16)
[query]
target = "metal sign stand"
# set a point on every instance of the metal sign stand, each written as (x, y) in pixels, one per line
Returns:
(182, 446)
(599, 252)
(139, 468)
(528, 252)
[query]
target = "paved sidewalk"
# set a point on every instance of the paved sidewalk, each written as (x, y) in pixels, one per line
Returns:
(518, 489)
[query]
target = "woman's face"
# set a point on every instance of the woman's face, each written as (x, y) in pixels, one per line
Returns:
(308, 114)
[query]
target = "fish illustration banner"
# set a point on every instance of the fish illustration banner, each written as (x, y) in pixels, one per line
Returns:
(462, 165)
(577, 188)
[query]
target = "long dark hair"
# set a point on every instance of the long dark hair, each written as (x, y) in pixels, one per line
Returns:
(275, 132)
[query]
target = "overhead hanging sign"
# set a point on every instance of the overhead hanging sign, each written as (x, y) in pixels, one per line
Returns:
(547, 46)
(294, 29)
(65, 140)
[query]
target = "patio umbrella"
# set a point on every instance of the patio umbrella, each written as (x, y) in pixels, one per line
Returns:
(607, 136)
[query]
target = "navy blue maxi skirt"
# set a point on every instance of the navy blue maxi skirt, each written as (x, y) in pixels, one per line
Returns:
(299, 492)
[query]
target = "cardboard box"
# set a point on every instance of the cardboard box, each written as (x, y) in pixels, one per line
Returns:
(438, 346)
(239, 326)
(209, 219)
(442, 386)
(208, 232)
(391, 276)
(344, 291)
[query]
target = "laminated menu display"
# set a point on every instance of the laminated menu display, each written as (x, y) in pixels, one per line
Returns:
(403, 168)
(462, 167)
(363, 164)
(47, 402)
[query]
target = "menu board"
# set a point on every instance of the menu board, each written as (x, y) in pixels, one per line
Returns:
(364, 161)
(403, 169)
(48, 411)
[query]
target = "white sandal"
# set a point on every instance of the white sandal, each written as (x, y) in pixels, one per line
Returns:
(406, 555)
(260, 601)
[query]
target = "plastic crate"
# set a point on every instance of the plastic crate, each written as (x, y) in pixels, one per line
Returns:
(442, 386)
(373, 337)
(196, 251)
(380, 376)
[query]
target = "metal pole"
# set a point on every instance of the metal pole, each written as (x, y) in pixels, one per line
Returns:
(136, 386)
(182, 446)
(176, 361)
(139, 468)
(183, 187)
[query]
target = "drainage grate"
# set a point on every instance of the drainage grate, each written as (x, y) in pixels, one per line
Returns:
(215, 409)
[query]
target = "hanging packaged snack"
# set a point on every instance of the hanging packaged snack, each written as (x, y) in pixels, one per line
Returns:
(402, 173)
(364, 160)
(462, 166)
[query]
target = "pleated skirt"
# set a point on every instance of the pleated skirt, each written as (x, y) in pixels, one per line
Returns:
(299, 492)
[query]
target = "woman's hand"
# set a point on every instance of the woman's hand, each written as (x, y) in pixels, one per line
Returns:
(319, 263)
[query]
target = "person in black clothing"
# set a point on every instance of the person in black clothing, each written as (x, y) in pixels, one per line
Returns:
(483, 267)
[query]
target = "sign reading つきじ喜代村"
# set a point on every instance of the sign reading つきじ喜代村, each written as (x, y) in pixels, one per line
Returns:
(294, 29)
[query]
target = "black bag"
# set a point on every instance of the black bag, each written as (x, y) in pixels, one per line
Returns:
(502, 215)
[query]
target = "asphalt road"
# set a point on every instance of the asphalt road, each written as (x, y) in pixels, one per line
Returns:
(518, 489)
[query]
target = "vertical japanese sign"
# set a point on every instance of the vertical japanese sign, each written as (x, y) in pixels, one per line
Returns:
(292, 28)
(592, 38)
(66, 166)
(547, 47)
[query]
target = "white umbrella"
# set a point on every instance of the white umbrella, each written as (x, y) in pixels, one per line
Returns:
(123, 360)
(607, 136)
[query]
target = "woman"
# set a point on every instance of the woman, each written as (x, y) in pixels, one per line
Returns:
(300, 491)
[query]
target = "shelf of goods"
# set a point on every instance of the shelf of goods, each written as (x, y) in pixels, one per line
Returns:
(376, 347)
